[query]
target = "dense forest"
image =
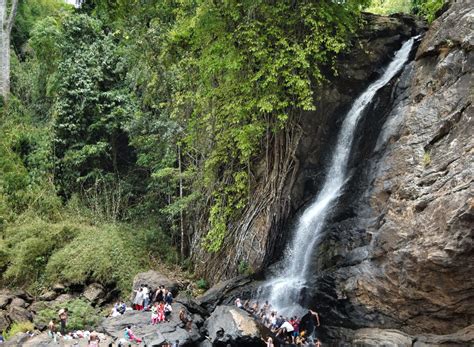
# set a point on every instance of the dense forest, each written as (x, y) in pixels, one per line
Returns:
(130, 125)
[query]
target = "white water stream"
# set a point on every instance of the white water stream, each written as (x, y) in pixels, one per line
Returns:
(283, 291)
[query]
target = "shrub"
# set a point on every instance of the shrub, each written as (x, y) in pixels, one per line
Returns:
(30, 243)
(104, 254)
(81, 315)
(202, 284)
(19, 327)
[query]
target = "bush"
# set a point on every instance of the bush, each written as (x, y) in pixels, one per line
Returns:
(19, 327)
(30, 243)
(81, 315)
(202, 284)
(105, 254)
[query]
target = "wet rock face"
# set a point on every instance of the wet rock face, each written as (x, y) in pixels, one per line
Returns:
(400, 252)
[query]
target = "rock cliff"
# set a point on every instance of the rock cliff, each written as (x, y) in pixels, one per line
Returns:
(398, 252)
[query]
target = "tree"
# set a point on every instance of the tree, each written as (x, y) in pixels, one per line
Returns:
(7, 17)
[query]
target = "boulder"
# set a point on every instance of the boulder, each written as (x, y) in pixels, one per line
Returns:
(231, 325)
(191, 304)
(155, 279)
(373, 337)
(59, 287)
(17, 340)
(63, 298)
(18, 302)
(38, 306)
(152, 335)
(5, 298)
(49, 295)
(221, 292)
(463, 337)
(4, 321)
(19, 314)
(94, 293)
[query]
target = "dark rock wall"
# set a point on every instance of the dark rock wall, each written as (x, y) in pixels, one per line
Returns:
(400, 253)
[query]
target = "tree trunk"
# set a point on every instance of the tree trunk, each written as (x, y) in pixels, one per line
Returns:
(181, 217)
(6, 24)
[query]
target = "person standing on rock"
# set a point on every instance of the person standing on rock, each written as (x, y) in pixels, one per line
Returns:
(52, 329)
(138, 301)
(63, 315)
(146, 296)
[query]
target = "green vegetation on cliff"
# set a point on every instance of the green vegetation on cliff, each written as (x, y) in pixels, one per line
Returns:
(129, 127)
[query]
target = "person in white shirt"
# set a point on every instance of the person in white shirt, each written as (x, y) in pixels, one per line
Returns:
(285, 328)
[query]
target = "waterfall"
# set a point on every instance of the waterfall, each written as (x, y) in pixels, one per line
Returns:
(283, 290)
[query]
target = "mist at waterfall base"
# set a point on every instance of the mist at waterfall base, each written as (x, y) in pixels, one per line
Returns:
(284, 290)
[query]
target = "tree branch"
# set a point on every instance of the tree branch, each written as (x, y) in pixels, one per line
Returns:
(11, 17)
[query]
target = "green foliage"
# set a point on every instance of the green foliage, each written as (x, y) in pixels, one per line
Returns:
(429, 9)
(425, 8)
(30, 243)
(202, 284)
(82, 316)
(247, 65)
(105, 254)
(90, 140)
(19, 327)
(387, 7)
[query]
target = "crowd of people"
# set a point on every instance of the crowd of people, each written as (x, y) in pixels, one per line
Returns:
(159, 303)
(289, 330)
(92, 337)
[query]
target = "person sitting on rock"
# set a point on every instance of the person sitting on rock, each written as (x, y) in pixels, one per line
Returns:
(121, 308)
(169, 297)
(254, 308)
(130, 336)
(94, 339)
(161, 312)
(154, 314)
(183, 317)
(159, 294)
(168, 310)
(238, 303)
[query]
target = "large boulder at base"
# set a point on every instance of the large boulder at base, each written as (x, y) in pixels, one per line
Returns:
(221, 293)
(154, 280)
(463, 337)
(94, 293)
(153, 335)
(231, 325)
(19, 314)
(4, 321)
(373, 337)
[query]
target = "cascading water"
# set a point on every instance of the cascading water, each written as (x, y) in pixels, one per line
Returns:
(284, 290)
